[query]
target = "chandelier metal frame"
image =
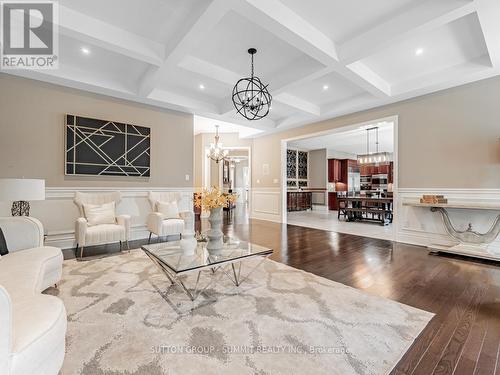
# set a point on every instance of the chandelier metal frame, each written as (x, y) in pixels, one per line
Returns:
(250, 97)
(217, 153)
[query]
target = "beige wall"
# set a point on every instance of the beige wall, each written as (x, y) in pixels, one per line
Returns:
(32, 130)
(317, 169)
(199, 154)
(449, 139)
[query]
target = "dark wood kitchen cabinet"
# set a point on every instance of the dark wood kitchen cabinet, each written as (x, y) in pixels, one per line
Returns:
(332, 201)
(334, 170)
(299, 201)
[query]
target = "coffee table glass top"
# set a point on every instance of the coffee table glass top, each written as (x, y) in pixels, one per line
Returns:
(171, 255)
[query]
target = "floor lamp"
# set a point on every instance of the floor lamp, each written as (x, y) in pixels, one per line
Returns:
(21, 191)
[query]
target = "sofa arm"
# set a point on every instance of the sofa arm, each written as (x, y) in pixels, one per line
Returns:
(124, 221)
(154, 222)
(6, 324)
(22, 232)
(81, 230)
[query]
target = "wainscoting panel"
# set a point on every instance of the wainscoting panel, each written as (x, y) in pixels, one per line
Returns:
(58, 213)
(266, 204)
(420, 226)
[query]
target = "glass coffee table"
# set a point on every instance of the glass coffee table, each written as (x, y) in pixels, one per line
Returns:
(170, 258)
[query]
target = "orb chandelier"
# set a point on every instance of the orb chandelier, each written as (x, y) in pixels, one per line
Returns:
(250, 96)
(216, 152)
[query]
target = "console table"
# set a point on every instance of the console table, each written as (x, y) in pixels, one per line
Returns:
(470, 242)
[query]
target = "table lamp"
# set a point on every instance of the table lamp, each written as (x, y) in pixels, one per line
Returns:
(20, 191)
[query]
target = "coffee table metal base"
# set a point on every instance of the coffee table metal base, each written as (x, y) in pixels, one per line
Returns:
(195, 292)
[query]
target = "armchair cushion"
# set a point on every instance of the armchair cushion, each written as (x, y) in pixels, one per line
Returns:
(170, 210)
(172, 226)
(104, 233)
(97, 214)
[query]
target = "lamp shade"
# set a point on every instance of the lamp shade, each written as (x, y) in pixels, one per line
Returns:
(21, 189)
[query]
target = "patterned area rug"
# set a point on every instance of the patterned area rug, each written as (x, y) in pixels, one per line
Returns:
(124, 317)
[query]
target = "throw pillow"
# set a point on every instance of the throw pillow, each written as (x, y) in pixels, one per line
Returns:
(169, 210)
(97, 214)
(3, 244)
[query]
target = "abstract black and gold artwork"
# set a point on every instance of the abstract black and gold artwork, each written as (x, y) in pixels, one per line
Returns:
(106, 148)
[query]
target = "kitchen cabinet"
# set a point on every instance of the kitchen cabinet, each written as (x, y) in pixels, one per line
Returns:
(383, 169)
(332, 201)
(334, 170)
(390, 174)
(299, 201)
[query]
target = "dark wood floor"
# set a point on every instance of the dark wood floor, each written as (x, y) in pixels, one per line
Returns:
(463, 337)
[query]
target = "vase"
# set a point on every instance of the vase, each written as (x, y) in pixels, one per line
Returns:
(188, 241)
(188, 244)
(215, 235)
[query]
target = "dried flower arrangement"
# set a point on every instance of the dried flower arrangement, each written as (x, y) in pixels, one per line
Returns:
(213, 198)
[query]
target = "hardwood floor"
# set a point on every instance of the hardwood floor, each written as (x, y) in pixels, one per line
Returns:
(463, 337)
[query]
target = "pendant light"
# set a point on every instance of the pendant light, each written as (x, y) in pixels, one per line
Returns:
(216, 152)
(251, 98)
(374, 157)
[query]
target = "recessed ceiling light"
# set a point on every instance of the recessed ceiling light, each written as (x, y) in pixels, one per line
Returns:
(325, 87)
(419, 51)
(85, 50)
(201, 86)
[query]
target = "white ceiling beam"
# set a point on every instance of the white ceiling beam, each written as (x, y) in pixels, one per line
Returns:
(341, 106)
(428, 15)
(101, 34)
(213, 71)
(284, 23)
(160, 99)
(207, 20)
(290, 121)
(443, 78)
(298, 103)
(275, 17)
(488, 12)
(166, 96)
(264, 124)
(370, 76)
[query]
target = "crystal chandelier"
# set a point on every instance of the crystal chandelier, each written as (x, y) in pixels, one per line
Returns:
(250, 96)
(374, 157)
(216, 152)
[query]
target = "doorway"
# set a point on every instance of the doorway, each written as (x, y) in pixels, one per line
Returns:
(233, 174)
(343, 180)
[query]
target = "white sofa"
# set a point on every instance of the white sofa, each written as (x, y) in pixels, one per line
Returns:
(104, 233)
(160, 226)
(32, 325)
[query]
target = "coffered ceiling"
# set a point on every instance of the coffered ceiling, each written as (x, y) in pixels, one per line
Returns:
(321, 58)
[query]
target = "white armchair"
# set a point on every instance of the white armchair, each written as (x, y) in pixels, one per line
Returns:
(88, 235)
(157, 223)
